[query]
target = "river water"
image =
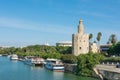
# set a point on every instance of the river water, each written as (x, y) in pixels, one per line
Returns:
(16, 70)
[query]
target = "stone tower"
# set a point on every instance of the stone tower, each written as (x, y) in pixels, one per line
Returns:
(80, 41)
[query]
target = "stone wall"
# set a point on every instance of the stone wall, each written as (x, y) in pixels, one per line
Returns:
(110, 75)
(70, 67)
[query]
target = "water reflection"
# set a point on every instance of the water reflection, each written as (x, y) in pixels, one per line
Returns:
(58, 75)
(36, 68)
(14, 61)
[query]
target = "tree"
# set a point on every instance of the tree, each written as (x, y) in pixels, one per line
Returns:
(38, 50)
(64, 49)
(98, 39)
(86, 63)
(90, 36)
(69, 58)
(99, 36)
(95, 42)
(54, 55)
(112, 39)
(114, 49)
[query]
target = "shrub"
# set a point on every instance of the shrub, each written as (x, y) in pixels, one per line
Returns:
(69, 58)
(86, 62)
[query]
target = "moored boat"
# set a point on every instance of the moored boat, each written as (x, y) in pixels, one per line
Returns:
(21, 59)
(54, 64)
(34, 61)
(13, 57)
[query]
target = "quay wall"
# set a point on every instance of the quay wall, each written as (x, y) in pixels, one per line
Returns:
(107, 72)
(110, 75)
(70, 67)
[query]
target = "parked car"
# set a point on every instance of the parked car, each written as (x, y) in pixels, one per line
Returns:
(118, 66)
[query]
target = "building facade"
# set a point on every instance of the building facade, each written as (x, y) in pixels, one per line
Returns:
(94, 48)
(64, 43)
(80, 41)
(105, 47)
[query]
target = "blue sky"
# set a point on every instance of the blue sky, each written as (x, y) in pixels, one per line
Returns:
(29, 22)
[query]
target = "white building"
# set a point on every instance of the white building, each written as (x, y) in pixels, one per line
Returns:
(94, 48)
(64, 43)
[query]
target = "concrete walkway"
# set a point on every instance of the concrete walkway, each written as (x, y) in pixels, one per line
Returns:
(110, 68)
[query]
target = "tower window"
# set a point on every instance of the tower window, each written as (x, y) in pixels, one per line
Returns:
(80, 48)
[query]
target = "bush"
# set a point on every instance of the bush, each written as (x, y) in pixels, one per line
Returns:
(54, 55)
(114, 49)
(86, 62)
(69, 58)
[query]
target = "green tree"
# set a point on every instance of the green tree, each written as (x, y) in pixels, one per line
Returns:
(86, 62)
(38, 50)
(114, 49)
(54, 55)
(98, 39)
(64, 50)
(112, 39)
(69, 58)
(90, 36)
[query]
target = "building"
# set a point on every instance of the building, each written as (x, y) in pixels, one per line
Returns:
(104, 48)
(64, 43)
(94, 48)
(80, 41)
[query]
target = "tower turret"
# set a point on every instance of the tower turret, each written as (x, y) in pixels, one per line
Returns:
(81, 27)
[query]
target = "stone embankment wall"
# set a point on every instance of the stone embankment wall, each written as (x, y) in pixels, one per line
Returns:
(107, 72)
(70, 67)
(111, 75)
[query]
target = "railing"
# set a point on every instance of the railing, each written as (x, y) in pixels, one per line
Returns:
(110, 63)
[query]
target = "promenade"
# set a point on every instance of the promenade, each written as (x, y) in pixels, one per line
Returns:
(107, 71)
(106, 67)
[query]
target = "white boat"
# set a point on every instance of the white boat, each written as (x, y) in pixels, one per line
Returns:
(34, 61)
(54, 64)
(0, 55)
(14, 57)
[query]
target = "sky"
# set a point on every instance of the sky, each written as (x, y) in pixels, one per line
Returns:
(30, 22)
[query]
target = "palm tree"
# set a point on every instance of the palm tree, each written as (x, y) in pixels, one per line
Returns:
(113, 39)
(98, 39)
(90, 36)
(94, 42)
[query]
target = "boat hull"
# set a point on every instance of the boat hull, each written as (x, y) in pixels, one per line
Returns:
(14, 57)
(59, 69)
(34, 62)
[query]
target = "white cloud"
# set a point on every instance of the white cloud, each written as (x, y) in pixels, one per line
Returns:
(29, 25)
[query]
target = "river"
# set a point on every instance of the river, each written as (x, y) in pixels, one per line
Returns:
(16, 70)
